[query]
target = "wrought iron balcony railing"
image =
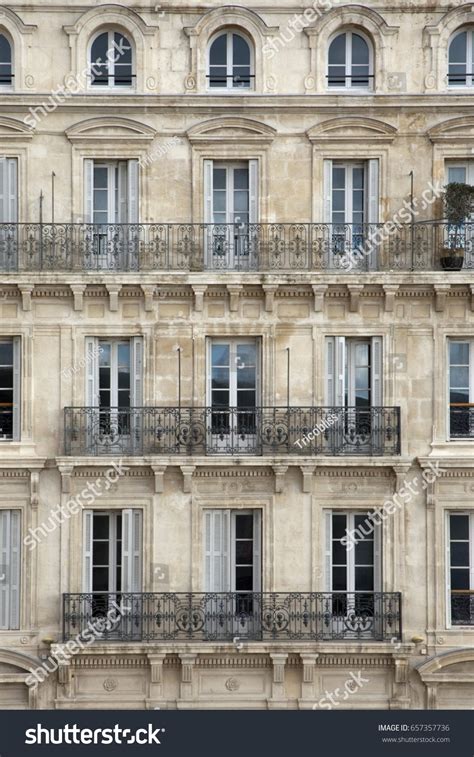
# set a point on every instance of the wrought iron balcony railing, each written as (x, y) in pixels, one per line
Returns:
(232, 431)
(230, 247)
(462, 607)
(315, 616)
(461, 420)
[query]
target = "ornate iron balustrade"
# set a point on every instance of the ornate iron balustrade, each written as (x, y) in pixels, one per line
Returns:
(315, 616)
(229, 247)
(461, 420)
(462, 607)
(232, 431)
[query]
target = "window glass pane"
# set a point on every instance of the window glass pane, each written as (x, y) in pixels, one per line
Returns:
(338, 177)
(338, 526)
(6, 353)
(458, 49)
(360, 51)
(244, 526)
(459, 376)
(218, 51)
(457, 174)
(244, 552)
(122, 49)
(364, 552)
(101, 527)
(220, 378)
(337, 50)
(460, 553)
(459, 353)
(5, 50)
(364, 579)
(460, 579)
(220, 354)
(459, 526)
(219, 176)
(241, 51)
(339, 579)
(101, 552)
(244, 578)
(339, 553)
(246, 399)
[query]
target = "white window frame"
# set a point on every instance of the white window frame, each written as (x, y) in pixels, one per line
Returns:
(111, 31)
(349, 86)
(339, 352)
(92, 356)
(132, 549)
(470, 514)
(468, 62)
(226, 546)
(233, 343)
(229, 86)
(466, 165)
(3, 86)
(459, 340)
(348, 167)
(16, 419)
(350, 564)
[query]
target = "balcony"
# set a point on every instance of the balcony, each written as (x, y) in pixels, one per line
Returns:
(461, 420)
(303, 431)
(462, 607)
(220, 617)
(269, 247)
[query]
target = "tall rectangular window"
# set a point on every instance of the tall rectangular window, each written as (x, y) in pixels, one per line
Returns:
(461, 568)
(461, 388)
(10, 389)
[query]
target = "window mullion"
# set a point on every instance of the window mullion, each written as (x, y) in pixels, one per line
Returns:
(229, 61)
(349, 59)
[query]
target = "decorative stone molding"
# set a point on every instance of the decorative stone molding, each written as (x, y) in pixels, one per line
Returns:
(359, 129)
(20, 37)
(338, 19)
(252, 26)
(109, 129)
(436, 42)
(187, 668)
(34, 489)
(278, 683)
(231, 129)
(143, 37)
(66, 472)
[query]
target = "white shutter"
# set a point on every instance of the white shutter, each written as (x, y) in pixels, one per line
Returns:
(12, 189)
(257, 550)
(330, 366)
(253, 191)
(133, 192)
(87, 540)
(4, 569)
(137, 371)
(339, 370)
(328, 550)
(131, 550)
(373, 191)
(378, 532)
(16, 387)
(376, 369)
(208, 189)
(14, 570)
(448, 568)
(8, 190)
(327, 191)
(88, 190)
(92, 371)
(122, 193)
(217, 533)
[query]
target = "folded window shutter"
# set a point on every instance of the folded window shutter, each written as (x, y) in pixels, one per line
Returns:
(253, 191)
(328, 550)
(14, 569)
(131, 550)
(137, 371)
(327, 191)
(12, 188)
(133, 191)
(4, 569)
(87, 538)
(340, 370)
(376, 368)
(208, 188)
(88, 190)
(373, 189)
(257, 550)
(92, 372)
(330, 367)
(122, 192)
(217, 535)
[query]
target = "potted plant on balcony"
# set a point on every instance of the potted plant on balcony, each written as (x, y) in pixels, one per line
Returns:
(458, 205)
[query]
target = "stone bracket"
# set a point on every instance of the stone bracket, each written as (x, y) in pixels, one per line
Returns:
(34, 488)
(354, 293)
(199, 292)
(280, 472)
(441, 291)
(159, 471)
(187, 471)
(270, 291)
(114, 291)
(234, 294)
(390, 291)
(307, 471)
(78, 294)
(148, 293)
(319, 290)
(26, 291)
(66, 472)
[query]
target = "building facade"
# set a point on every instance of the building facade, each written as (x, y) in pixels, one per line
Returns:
(236, 443)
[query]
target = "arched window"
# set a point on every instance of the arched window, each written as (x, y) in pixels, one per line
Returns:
(230, 62)
(350, 62)
(111, 61)
(461, 59)
(6, 67)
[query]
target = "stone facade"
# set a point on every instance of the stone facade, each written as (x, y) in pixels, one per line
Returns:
(290, 128)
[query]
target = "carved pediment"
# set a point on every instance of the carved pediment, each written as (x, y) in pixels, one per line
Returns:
(231, 130)
(456, 129)
(12, 128)
(111, 128)
(352, 128)
(452, 666)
